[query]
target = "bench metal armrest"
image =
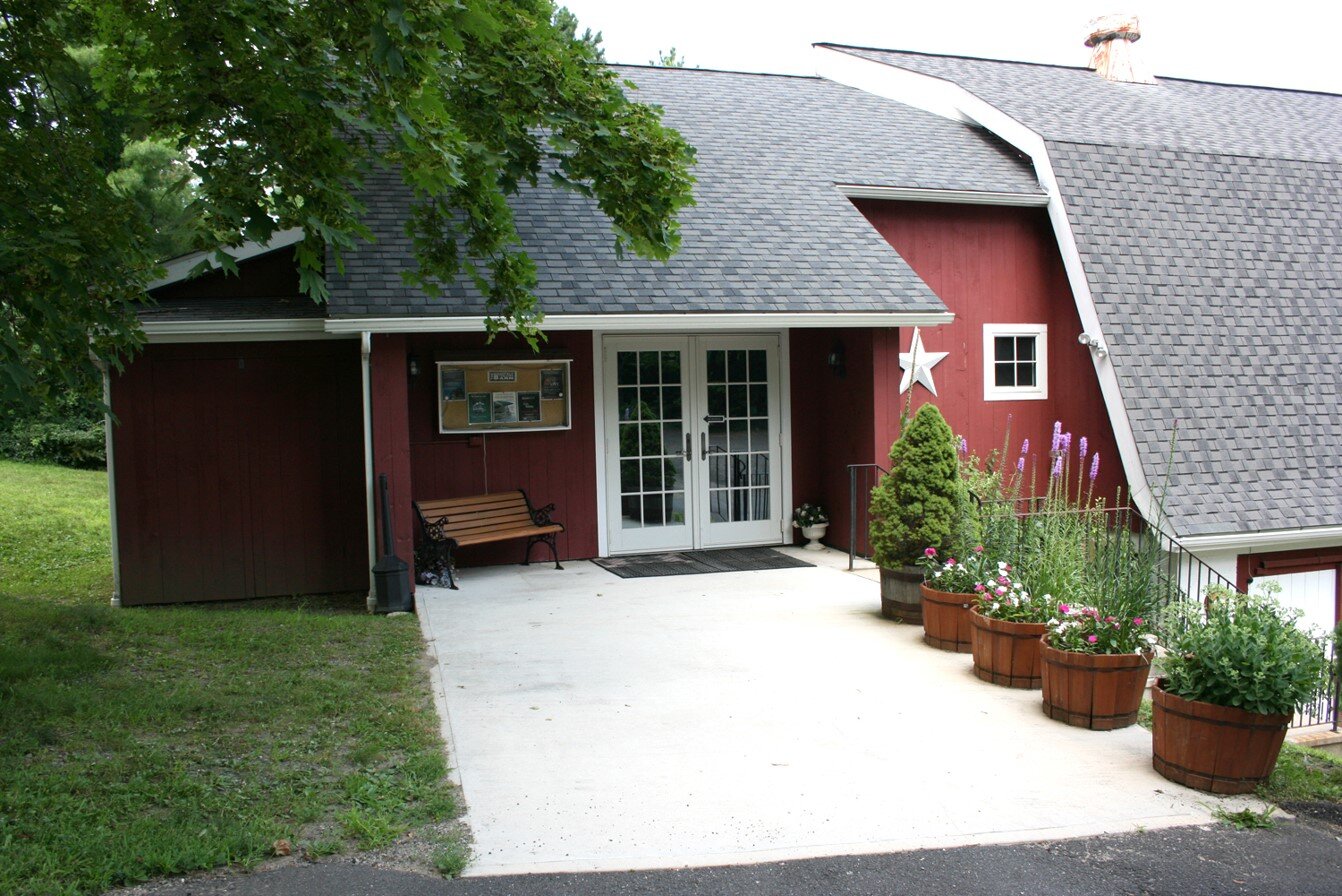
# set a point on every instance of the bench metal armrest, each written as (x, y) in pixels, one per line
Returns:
(540, 516)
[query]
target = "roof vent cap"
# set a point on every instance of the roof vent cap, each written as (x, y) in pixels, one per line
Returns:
(1113, 55)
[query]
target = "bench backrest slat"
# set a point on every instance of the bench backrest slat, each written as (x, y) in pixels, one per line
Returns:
(476, 514)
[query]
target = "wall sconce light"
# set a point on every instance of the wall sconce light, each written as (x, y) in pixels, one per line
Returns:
(414, 366)
(1095, 343)
(836, 361)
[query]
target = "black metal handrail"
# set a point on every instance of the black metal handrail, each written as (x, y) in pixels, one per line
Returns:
(870, 474)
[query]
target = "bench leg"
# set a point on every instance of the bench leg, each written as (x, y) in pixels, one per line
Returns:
(451, 568)
(542, 539)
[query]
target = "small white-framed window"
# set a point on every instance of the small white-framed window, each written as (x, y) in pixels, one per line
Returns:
(1015, 362)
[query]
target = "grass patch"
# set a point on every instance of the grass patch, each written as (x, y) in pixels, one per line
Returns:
(1304, 775)
(1246, 819)
(139, 743)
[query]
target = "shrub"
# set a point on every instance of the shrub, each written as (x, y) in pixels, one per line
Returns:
(68, 443)
(1243, 651)
(920, 502)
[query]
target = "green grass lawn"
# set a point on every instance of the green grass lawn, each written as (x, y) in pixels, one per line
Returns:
(142, 742)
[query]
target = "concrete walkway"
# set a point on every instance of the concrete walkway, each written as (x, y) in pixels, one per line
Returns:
(599, 723)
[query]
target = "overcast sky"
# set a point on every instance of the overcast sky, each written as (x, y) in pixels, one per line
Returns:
(1284, 43)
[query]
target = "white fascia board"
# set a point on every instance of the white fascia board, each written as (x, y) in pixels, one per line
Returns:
(180, 268)
(957, 197)
(165, 331)
(954, 102)
(1270, 539)
(643, 323)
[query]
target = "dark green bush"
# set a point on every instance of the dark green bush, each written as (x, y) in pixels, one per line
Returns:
(70, 444)
(1243, 651)
(921, 502)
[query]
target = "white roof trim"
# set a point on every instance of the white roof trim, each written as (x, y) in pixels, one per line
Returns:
(640, 323)
(163, 331)
(1273, 539)
(178, 269)
(961, 197)
(951, 101)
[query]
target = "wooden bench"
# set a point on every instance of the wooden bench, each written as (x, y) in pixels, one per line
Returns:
(452, 523)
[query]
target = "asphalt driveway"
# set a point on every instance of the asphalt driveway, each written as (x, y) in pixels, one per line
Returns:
(599, 723)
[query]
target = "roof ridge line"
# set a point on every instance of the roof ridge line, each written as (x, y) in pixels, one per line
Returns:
(1198, 152)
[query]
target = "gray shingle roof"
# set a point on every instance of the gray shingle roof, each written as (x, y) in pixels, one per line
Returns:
(1209, 222)
(770, 232)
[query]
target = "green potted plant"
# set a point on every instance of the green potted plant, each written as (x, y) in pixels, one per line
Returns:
(916, 505)
(948, 592)
(1006, 624)
(812, 520)
(1237, 668)
(1094, 665)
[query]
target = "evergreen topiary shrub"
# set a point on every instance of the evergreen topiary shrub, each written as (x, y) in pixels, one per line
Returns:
(920, 503)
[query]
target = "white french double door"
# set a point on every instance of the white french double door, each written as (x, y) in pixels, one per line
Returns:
(693, 442)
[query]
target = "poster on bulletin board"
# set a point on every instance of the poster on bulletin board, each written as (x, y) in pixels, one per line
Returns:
(503, 396)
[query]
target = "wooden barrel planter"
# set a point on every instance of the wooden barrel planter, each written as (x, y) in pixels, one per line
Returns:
(1097, 691)
(946, 619)
(1006, 653)
(901, 598)
(1218, 749)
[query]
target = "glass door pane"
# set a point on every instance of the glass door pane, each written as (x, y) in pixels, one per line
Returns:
(646, 430)
(741, 423)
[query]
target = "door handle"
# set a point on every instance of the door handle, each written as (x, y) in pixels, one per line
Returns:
(689, 448)
(703, 446)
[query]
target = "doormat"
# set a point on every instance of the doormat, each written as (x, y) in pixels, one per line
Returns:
(693, 563)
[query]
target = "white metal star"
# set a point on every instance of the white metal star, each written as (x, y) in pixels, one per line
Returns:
(917, 364)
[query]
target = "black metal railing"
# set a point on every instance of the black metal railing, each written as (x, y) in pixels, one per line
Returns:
(1323, 709)
(862, 478)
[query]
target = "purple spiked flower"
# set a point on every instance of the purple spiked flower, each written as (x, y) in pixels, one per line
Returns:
(1057, 435)
(964, 446)
(1020, 464)
(1066, 442)
(1025, 448)
(1057, 467)
(1083, 447)
(1095, 467)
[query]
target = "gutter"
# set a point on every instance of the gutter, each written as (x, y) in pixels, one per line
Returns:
(1268, 539)
(650, 323)
(366, 352)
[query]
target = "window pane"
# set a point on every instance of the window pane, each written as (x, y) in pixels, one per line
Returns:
(670, 402)
(1003, 349)
(717, 366)
(1025, 374)
(1025, 348)
(626, 365)
(628, 403)
(629, 440)
(759, 435)
(652, 475)
(1004, 374)
(670, 367)
(652, 510)
(648, 368)
(759, 401)
(758, 367)
(650, 403)
(736, 401)
(675, 508)
(628, 476)
(736, 366)
(651, 440)
(740, 438)
(673, 473)
(717, 400)
(759, 504)
(673, 438)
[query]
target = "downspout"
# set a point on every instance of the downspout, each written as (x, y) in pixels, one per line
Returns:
(111, 479)
(366, 350)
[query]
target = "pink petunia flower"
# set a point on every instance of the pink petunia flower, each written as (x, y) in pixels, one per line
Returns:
(1091, 639)
(1137, 620)
(930, 552)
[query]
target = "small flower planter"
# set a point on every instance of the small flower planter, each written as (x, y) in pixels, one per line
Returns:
(901, 599)
(1218, 749)
(1006, 653)
(1101, 691)
(946, 619)
(813, 534)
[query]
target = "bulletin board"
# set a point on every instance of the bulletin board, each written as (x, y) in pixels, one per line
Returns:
(503, 396)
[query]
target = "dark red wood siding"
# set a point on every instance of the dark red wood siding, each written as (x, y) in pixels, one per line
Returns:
(239, 471)
(991, 265)
(556, 467)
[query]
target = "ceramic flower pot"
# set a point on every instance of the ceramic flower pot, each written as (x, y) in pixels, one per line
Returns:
(901, 598)
(1218, 749)
(946, 619)
(1097, 691)
(1006, 653)
(813, 534)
